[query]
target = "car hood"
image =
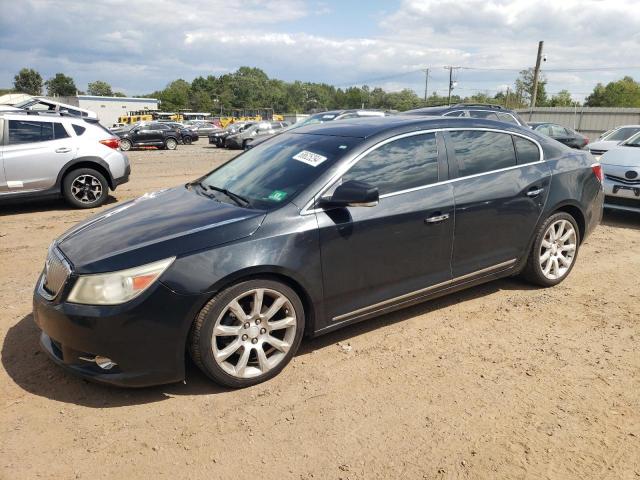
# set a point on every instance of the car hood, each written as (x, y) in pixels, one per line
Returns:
(622, 156)
(603, 145)
(155, 226)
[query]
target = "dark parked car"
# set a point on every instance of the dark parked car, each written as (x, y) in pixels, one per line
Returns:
(187, 135)
(218, 138)
(471, 110)
(153, 134)
(315, 229)
(260, 129)
(565, 135)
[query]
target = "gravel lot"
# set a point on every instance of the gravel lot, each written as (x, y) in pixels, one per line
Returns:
(500, 381)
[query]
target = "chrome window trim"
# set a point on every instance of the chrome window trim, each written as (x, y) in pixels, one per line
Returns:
(381, 306)
(307, 210)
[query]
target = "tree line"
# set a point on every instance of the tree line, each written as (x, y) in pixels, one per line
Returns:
(251, 88)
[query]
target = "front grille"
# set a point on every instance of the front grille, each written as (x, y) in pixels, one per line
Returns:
(625, 181)
(56, 272)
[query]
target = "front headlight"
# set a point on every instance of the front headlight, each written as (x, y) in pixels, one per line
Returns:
(114, 288)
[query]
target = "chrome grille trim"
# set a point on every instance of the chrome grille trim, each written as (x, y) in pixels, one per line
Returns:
(55, 275)
(626, 181)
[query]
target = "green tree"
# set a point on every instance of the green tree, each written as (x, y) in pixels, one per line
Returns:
(61, 85)
(100, 88)
(175, 96)
(28, 81)
(561, 99)
(622, 93)
(118, 94)
(524, 87)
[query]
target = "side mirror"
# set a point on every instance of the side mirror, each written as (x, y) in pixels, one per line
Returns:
(352, 194)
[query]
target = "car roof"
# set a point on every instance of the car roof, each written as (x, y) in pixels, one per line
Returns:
(365, 127)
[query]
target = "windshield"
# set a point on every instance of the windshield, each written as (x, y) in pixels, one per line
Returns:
(274, 172)
(633, 141)
(622, 134)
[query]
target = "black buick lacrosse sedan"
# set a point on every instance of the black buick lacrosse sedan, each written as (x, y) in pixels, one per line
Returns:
(310, 231)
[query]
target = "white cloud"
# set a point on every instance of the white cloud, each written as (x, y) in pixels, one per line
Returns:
(142, 45)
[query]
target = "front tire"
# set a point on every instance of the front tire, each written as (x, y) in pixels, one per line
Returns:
(186, 140)
(170, 144)
(248, 333)
(85, 188)
(554, 251)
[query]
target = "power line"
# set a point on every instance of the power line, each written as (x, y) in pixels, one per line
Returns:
(494, 69)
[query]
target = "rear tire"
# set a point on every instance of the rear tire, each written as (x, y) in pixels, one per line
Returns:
(170, 144)
(247, 333)
(554, 251)
(125, 145)
(85, 188)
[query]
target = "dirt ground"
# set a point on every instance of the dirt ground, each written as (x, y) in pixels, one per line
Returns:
(500, 381)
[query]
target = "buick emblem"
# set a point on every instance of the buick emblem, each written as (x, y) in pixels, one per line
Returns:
(631, 174)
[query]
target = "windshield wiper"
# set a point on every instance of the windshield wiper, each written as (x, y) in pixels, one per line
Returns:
(239, 199)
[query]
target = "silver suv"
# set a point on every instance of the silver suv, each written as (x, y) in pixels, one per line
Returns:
(52, 155)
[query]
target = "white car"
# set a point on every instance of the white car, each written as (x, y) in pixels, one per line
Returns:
(41, 104)
(53, 155)
(611, 139)
(621, 168)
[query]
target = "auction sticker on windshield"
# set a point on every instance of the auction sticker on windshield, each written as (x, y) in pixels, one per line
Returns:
(277, 195)
(309, 158)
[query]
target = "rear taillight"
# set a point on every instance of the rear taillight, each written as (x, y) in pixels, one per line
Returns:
(586, 142)
(112, 142)
(597, 171)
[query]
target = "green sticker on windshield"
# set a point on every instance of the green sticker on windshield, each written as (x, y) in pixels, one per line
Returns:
(277, 195)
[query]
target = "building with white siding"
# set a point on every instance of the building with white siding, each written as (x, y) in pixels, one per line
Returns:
(109, 109)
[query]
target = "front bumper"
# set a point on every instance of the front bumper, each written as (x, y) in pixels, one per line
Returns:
(146, 337)
(621, 195)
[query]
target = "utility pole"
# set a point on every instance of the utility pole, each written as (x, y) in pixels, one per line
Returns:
(536, 72)
(451, 83)
(426, 83)
(506, 99)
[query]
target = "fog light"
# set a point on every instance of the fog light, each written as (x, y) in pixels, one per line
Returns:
(105, 363)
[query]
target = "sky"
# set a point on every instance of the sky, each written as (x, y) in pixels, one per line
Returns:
(140, 46)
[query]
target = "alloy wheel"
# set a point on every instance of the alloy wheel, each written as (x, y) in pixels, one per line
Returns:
(254, 332)
(86, 188)
(557, 249)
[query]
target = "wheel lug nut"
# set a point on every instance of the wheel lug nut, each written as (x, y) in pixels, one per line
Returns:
(254, 340)
(246, 325)
(263, 330)
(244, 337)
(258, 321)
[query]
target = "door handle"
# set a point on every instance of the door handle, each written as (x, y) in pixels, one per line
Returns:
(63, 150)
(437, 218)
(534, 192)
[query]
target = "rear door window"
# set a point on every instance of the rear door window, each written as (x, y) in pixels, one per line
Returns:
(29, 131)
(478, 151)
(59, 131)
(527, 151)
(405, 163)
